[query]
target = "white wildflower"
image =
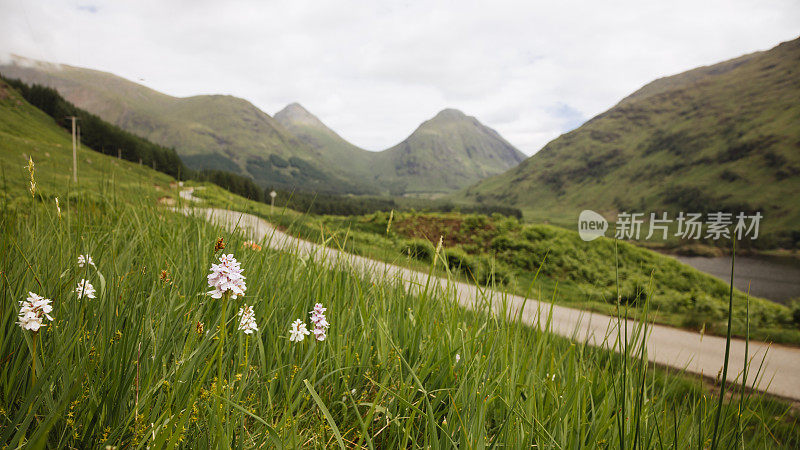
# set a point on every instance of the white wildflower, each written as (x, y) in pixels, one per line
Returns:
(298, 332)
(33, 311)
(247, 323)
(458, 358)
(58, 208)
(85, 259)
(85, 289)
(320, 322)
(226, 277)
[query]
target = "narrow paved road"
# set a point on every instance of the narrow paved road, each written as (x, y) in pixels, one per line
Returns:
(187, 194)
(667, 346)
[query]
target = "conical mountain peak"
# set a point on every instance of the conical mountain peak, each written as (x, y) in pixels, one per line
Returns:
(451, 114)
(296, 114)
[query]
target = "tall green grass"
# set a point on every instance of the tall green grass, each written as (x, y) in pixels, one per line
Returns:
(398, 370)
(484, 248)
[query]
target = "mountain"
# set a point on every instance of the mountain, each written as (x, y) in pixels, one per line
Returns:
(293, 149)
(446, 153)
(207, 131)
(332, 148)
(312, 131)
(721, 137)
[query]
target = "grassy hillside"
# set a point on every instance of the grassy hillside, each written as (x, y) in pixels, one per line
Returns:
(153, 361)
(27, 132)
(446, 153)
(724, 137)
(208, 131)
(501, 250)
(150, 360)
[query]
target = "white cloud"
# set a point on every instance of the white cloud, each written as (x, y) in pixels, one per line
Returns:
(373, 72)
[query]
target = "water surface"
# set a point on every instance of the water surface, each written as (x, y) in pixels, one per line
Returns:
(772, 277)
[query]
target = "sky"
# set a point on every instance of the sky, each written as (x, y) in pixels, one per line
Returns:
(374, 70)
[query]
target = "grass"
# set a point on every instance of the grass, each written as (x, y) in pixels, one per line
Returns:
(130, 368)
(142, 366)
(481, 248)
(28, 133)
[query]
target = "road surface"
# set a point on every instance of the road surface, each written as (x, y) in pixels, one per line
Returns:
(667, 346)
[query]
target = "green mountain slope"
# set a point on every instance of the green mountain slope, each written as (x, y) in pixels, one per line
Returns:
(27, 132)
(294, 149)
(207, 131)
(722, 137)
(446, 153)
(332, 148)
(312, 131)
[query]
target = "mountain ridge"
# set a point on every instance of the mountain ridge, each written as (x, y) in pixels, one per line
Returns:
(725, 136)
(214, 131)
(444, 153)
(292, 149)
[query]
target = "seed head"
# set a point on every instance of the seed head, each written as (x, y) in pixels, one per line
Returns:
(389, 224)
(30, 167)
(220, 245)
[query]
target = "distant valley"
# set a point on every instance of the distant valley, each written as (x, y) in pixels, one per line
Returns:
(724, 137)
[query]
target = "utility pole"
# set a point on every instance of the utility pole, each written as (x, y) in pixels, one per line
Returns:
(74, 152)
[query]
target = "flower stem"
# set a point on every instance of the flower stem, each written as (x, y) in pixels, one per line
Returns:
(220, 351)
(33, 361)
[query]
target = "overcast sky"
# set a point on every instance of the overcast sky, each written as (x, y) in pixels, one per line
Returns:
(372, 72)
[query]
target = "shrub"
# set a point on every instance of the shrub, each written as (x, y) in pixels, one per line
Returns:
(475, 222)
(535, 233)
(508, 242)
(506, 224)
(633, 298)
(795, 309)
(491, 271)
(459, 261)
(277, 161)
(418, 249)
(704, 310)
